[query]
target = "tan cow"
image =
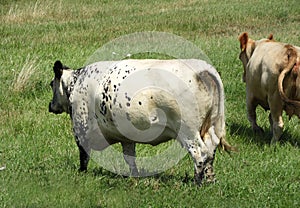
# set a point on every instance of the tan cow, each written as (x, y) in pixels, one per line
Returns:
(271, 73)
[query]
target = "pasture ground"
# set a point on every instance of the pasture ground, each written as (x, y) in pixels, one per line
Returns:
(37, 148)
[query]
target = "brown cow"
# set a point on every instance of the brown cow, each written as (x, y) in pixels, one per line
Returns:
(271, 73)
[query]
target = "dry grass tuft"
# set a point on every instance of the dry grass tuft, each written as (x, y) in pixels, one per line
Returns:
(32, 11)
(21, 81)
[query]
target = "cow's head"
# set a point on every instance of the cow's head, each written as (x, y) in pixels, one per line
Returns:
(60, 101)
(247, 46)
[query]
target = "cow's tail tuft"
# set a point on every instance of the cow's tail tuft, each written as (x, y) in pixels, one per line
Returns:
(224, 145)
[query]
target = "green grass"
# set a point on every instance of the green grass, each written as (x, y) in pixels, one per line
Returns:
(38, 149)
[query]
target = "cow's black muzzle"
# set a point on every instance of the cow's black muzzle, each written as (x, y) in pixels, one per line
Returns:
(53, 111)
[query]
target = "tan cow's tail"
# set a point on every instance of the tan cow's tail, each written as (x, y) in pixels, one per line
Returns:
(292, 64)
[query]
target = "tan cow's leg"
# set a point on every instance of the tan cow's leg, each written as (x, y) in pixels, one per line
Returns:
(271, 122)
(251, 111)
(277, 129)
(276, 109)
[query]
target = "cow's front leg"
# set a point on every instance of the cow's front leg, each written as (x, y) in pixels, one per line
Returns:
(197, 149)
(212, 141)
(129, 157)
(84, 155)
(199, 172)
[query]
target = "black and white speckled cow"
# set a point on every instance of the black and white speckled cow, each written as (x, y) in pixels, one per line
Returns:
(102, 97)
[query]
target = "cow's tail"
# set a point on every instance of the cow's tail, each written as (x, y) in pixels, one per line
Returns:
(224, 145)
(220, 124)
(293, 64)
(219, 120)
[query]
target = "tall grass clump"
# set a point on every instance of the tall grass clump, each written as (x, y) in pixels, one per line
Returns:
(32, 10)
(22, 79)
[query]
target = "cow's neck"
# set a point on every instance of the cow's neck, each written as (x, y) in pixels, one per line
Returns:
(72, 81)
(69, 81)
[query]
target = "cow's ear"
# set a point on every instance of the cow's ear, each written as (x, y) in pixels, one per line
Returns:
(243, 38)
(58, 69)
(270, 37)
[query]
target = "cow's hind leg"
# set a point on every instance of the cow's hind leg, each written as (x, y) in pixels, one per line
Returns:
(129, 157)
(198, 167)
(211, 141)
(197, 149)
(271, 123)
(276, 117)
(209, 170)
(251, 110)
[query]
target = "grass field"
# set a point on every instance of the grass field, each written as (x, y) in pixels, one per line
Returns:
(39, 153)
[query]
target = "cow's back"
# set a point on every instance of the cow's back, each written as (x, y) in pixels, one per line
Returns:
(165, 94)
(263, 70)
(147, 101)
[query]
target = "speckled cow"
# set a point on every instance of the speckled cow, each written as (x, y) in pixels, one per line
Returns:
(99, 106)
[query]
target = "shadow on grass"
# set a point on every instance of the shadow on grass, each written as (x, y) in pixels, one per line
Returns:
(165, 178)
(162, 177)
(261, 139)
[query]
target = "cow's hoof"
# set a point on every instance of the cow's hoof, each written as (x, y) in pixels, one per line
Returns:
(209, 174)
(198, 179)
(82, 170)
(134, 173)
(211, 180)
(198, 183)
(258, 130)
(274, 141)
